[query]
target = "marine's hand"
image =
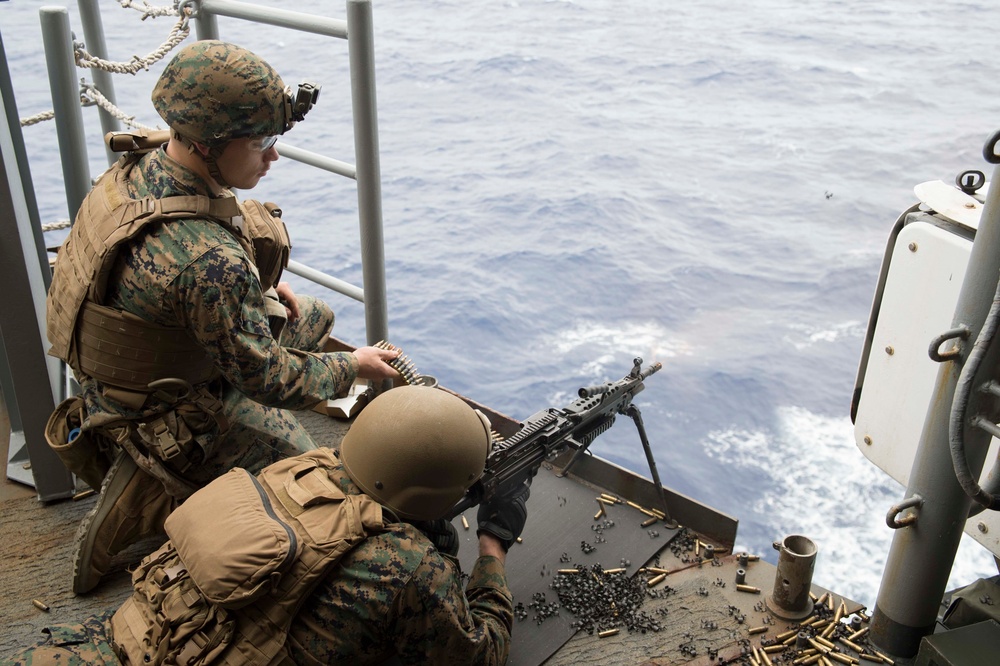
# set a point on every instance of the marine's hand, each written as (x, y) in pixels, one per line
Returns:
(504, 517)
(287, 298)
(373, 363)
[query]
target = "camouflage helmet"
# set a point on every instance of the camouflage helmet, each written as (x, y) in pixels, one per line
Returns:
(416, 450)
(213, 91)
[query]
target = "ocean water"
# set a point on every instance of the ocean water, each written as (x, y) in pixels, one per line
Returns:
(569, 184)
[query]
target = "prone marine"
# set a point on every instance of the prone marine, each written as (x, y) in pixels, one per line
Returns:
(166, 303)
(324, 558)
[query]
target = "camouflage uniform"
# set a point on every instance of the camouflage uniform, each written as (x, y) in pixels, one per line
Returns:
(82, 644)
(396, 594)
(194, 274)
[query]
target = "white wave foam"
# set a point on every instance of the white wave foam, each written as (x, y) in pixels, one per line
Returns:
(819, 485)
(804, 336)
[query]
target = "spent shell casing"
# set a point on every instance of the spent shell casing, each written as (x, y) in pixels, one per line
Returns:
(40, 605)
(657, 570)
(520, 540)
(607, 632)
(570, 571)
(84, 494)
(883, 657)
(649, 521)
(748, 588)
(858, 634)
(600, 512)
(614, 571)
(822, 599)
(757, 630)
(819, 646)
(813, 596)
(771, 649)
(823, 641)
(605, 500)
(848, 643)
(656, 580)
(786, 635)
(610, 498)
(465, 522)
(842, 658)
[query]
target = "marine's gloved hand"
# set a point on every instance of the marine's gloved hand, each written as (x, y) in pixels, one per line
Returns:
(442, 534)
(504, 517)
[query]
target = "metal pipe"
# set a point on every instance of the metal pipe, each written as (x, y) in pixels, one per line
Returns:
(328, 281)
(362, 56)
(35, 378)
(278, 17)
(316, 160)
(921, 556)
(93, 35)
(58, 42)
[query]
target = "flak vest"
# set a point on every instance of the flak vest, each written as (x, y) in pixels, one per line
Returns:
(244, 554)
(114, 346)
(131, 357)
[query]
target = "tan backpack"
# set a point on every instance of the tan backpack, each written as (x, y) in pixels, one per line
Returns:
(243, 555)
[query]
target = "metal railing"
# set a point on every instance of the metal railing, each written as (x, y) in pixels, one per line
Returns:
(357, 30)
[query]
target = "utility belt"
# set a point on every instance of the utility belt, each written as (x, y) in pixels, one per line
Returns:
(165, 445)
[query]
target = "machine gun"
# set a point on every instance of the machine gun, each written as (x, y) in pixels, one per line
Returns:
(516, 459)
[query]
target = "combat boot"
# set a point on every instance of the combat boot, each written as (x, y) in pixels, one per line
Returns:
(132, 506)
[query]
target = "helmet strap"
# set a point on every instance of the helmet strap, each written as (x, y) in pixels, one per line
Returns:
(208, 158)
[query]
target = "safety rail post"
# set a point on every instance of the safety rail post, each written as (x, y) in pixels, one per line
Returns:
(361, 46)
(93, 34)
(58, 43)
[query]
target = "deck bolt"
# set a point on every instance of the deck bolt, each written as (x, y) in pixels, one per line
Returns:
(983, 527)
(912, 246)
(889, 350)
(868, 440)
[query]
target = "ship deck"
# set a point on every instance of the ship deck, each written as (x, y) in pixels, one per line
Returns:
(692, 615)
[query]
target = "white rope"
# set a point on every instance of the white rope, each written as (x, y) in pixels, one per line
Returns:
(55, 226)
(89, 95)
(178, 34)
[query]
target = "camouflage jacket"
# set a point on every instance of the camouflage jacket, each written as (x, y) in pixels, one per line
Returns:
(193, 273)
(396, 594)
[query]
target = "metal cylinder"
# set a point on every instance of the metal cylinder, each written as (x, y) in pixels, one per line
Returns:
(741, 576)
(790, 598)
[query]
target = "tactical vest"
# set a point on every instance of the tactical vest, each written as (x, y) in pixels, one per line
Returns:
(117, 347)
(244, 554)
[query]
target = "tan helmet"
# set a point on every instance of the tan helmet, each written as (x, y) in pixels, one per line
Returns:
(416, 450)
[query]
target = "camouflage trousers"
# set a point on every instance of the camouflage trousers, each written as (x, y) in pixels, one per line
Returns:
(260, 435)
(70, 645)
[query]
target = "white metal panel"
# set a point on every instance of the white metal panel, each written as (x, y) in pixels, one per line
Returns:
(921, 289)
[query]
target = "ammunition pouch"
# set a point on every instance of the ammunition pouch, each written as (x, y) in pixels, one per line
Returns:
(167, 620)
(269, 237)
(84, 452)
(168, 445)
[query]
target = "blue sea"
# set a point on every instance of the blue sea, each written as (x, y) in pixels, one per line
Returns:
(569, 184)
